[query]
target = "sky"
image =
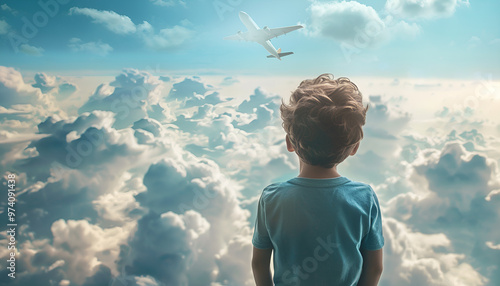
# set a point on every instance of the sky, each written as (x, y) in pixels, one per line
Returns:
(456, 37)
(141, 140)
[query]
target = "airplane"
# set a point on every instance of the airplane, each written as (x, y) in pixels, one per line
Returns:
(262, 36)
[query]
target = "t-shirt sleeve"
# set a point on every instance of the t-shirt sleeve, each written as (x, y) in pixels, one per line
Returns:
(261, 235)
(374, 239)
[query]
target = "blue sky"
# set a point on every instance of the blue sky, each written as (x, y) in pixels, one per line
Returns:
(445, 44)
(141, 140)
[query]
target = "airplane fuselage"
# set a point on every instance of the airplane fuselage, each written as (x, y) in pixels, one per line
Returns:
(256, 34)
(262, 36)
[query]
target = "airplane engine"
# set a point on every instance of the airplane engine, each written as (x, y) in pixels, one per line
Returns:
(267, 30)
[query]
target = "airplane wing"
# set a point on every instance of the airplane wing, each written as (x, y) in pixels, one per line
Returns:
(273, 33)
(236, 37)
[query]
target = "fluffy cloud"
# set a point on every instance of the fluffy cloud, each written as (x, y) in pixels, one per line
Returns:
(193, 92)
(113, 21)
(166, 262)
(449, 192)
(188, 88)
(182, 183)
(111, 205)
(233, 259)
(385, 123)
(245, 139)
(56, 86)
(78, 251)
(168, 3)
(229, 81)
(98, 48)
(6, 7)
(403, 29)
(261, 104)
(66, 89)
(355, 25)
(133, 95)
(31, 50)
(345, 21)
(421, 9)
(4, 27)
(385, 119)
(44, 82)
(166, 38)
(414, 258)
(147, 199)
(25, 102)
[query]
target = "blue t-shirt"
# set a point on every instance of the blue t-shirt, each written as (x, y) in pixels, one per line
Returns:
(317, 228)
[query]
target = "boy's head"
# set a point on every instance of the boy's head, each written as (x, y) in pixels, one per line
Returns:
(324, 120)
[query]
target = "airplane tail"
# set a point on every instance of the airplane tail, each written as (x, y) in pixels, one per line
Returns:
(281, 54)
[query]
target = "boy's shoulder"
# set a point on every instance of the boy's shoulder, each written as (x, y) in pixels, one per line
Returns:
(350, 187)
(272, 188)
(360, 186)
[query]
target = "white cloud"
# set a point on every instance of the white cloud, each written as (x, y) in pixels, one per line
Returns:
(84, 246)
(385, 120)
(356, 26)
(157, 201)
(229, 81)
(198, 226)
(31, 50)
(423, 9)
(98, 48)
(24, 98)
(165, 262)
(77, 251)
(113, 21)
(166, 38)
(4, 27)
(44, 82)
(54, 86)
(232, 259)
(193, 92)
(6, 7)
(120, 206)
(448, 191)
(133, 95)
(404, 29)
(263, 109)
(412, 258)
(492, 194)
(168, 3)
(346, 21)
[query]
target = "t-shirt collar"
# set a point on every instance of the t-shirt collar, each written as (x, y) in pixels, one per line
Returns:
(309, 182)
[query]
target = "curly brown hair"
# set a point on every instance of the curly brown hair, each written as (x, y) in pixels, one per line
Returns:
(324, 119)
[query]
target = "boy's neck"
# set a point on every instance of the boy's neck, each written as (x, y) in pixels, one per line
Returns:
(317, 172)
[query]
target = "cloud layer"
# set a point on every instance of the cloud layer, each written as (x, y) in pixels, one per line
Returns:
(152, 181)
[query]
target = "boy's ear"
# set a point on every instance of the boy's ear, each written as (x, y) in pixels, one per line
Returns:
(289, 146)
(355, 149)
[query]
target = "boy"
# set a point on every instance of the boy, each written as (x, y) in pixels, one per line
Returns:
(323, 228)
